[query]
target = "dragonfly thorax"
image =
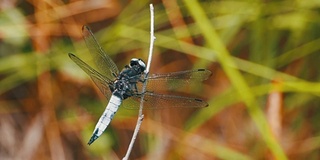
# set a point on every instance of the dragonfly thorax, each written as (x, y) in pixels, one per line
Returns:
(126, 84)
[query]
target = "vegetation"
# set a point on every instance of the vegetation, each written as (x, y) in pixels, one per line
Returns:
(263, 95)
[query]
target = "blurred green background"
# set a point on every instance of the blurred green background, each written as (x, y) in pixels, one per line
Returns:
(263, 95)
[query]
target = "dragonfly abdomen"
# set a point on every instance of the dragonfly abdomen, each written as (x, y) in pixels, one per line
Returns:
(106, 117)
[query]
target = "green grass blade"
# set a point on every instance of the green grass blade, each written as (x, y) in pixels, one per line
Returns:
(235, 77)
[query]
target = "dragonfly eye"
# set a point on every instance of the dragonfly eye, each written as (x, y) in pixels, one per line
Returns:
(138, 62)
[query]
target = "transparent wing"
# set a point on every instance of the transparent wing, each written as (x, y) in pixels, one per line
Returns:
(101, 81)
(161, 101)
(176, 80)
(103, 62)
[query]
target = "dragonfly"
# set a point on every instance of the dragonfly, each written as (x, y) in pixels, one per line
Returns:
(125, 88)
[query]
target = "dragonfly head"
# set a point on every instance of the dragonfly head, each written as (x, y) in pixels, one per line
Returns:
(138, 64)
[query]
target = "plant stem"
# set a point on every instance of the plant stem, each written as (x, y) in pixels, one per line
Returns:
(140, 118)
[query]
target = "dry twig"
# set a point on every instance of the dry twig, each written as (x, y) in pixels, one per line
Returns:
(140, 118)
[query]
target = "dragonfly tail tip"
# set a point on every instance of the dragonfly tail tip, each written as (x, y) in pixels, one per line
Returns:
(92, 139)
